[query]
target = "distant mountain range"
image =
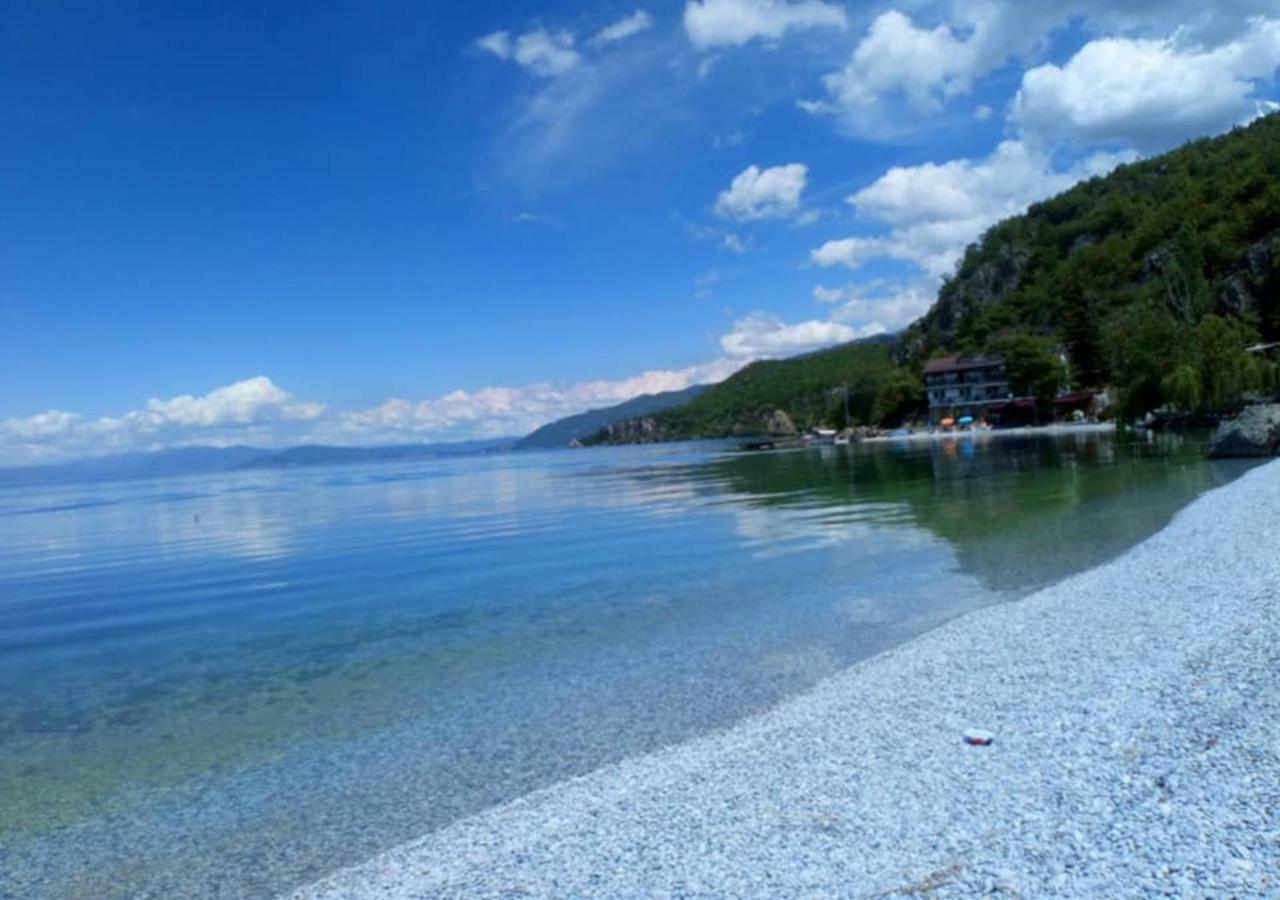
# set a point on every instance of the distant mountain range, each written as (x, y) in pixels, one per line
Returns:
(563, 432)
(198, 460)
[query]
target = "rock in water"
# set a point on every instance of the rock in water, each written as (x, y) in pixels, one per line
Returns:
(1255, 432)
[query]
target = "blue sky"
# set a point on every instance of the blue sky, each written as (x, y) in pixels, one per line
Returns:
(274, 223)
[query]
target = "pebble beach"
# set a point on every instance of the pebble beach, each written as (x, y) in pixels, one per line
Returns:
(1134, 717)
(1054, 430)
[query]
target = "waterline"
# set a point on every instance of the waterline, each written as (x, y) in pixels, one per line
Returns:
(238, 683)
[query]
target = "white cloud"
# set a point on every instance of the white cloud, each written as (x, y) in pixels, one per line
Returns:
(762, 335)
(545, 53)
(905, 70)
(733, 243)
(613, 103)
(934, 210)
(757, 193)
(883, 305)
(257, 412)
(896, 55)
(718, 23)
(634, 24)
(248, 410)
(1147, 93)
(498, 43)
(850, 252)
(242, 403)
(902, 67)
(500, 411)
(43, 425)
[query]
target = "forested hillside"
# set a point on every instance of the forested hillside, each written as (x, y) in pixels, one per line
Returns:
(809, 388)
(1163, 266)
(1154, 279)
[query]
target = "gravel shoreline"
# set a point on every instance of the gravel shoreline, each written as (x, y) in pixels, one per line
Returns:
(1136, 714)
(1055, 430)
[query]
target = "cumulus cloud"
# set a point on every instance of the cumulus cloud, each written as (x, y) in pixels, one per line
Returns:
(924, 64)
(934, 210)
(761, 335)
(733, 23)
(257, 412)
(905, 70)
(1148, 93)
(757, 193)
(51, 423)
(634, 24)
(253, 408)
(899, 63)
(242, 403)
(543, 52)
(500, 411)
(878, 305)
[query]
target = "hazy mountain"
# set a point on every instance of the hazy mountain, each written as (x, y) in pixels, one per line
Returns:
(197, 460)
(319, 454)
(562, 432)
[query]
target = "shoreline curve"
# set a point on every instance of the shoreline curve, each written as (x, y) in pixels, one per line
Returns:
(1135, 709)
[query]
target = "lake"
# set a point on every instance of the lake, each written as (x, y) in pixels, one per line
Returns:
(231, 684)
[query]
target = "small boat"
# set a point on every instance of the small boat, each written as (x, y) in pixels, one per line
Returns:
(823, 436)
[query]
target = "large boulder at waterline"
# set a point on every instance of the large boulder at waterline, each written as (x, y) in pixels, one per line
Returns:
(1255, 432)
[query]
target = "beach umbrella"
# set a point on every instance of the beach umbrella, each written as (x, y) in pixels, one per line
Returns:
(947, 422)
(965, 420)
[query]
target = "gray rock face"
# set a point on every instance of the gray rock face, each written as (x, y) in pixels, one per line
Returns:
(1239, 293)
(1235, 298)
(1261, 257)
(632, 431)
(1255, 432)
(780, 423)
(971, 291)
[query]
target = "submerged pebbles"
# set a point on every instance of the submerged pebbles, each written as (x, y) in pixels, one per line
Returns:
(1138, 713)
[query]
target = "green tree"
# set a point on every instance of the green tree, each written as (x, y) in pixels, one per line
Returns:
(1034, 369)
(1144, 343)
(899, 396)
(1082, 333)
(1181, 387)
(1186, 288)
(1226, 370)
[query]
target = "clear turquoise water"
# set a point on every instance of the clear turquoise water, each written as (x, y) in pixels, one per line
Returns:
(228, 685)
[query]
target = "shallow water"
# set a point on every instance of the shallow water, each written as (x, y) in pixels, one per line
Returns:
(228, 685)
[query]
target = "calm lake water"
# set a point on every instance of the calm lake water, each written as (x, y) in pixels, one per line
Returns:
(229, 685)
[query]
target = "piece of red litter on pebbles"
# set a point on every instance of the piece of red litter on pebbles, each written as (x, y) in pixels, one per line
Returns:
(978, 738)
